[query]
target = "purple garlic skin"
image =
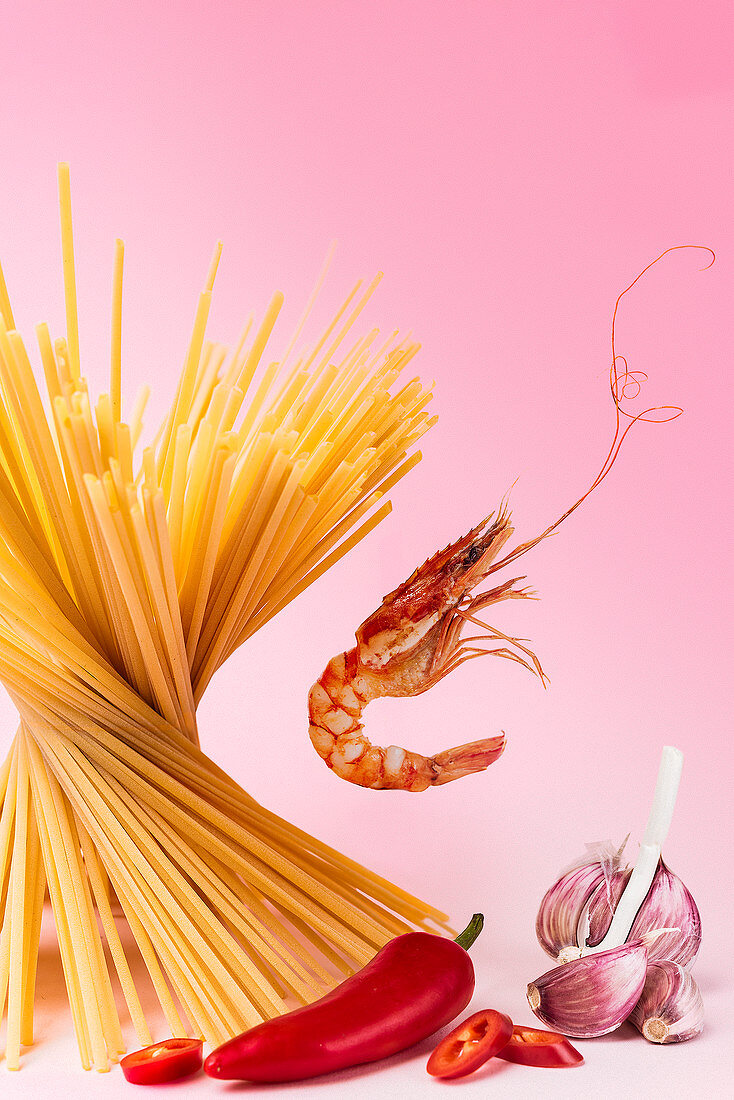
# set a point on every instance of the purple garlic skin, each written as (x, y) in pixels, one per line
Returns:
(562, 907)
(670, 1009)
(592, 995)
(561, 920)
(577, 910)
(669, 904)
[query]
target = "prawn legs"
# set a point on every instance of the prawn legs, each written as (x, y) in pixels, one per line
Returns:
(412, 641)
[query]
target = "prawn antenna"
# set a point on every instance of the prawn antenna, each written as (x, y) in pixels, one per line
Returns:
(625, 385)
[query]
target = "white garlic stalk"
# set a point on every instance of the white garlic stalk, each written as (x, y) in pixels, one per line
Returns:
(600, 910)
(648, 859)
(670, 1009)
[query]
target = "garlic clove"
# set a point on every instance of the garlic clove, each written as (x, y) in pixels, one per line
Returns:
(562, 907)
(669, 903)
(670, 1009)
(592, 995)
(602, 904)
(560, 924)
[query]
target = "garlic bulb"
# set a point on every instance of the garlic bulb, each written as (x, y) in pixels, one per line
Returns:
(605, 922)
(600, 901)
(592, 995)
(578, 909)
(670, 1009)
(669, 903)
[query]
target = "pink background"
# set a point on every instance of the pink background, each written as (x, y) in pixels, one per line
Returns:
(511, 167)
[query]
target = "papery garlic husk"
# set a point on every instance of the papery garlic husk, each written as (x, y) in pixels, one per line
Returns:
(670, 1009)
(669, 903)
(592, 995)
(560, 925)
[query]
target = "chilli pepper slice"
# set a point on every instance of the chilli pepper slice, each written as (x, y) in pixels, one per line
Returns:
(471, 1044)
(530, 1046)
(161, 1062)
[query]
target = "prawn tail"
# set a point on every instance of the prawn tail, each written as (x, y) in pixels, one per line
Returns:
(463, 760)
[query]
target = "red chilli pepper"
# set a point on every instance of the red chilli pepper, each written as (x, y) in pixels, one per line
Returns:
(166, 1061)
(531, 1047)
(471, 1044)
(415, 985)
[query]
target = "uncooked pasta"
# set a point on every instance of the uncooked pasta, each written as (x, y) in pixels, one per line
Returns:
(127, 578)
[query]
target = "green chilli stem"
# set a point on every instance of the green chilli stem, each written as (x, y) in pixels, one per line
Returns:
(466, 938)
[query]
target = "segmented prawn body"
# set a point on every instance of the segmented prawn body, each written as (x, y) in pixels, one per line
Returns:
(415, 637)
(411, 642)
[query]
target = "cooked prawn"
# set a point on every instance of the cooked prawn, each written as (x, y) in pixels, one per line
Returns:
(410, 643)
(414, 638)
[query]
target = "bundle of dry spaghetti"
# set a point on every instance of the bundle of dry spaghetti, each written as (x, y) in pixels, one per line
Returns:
(123, 587)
